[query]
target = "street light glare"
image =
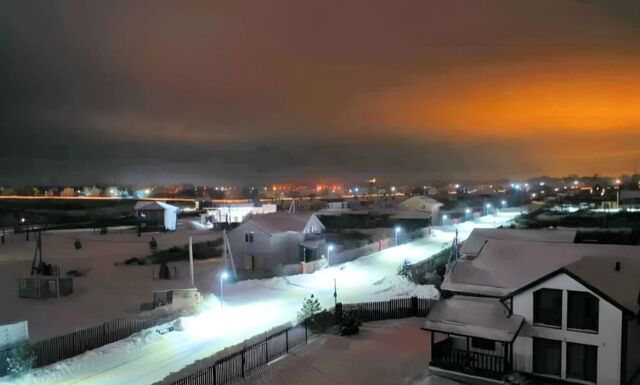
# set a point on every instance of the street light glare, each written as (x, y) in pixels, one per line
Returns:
(330, 247)
(398, 229)
(224, 275)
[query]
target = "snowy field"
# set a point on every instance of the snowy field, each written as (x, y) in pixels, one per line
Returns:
(250, 307)
(106, 292)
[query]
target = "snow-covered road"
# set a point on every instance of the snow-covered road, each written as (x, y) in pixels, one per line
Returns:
(250, 308)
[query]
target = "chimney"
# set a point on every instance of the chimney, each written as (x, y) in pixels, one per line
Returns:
(618, 266)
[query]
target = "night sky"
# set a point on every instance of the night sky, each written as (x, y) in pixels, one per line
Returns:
(267, 90)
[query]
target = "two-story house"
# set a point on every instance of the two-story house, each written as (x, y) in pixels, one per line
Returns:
(267, 241)
(539, 305)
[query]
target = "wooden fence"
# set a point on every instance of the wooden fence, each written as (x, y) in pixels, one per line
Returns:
(238, 365)
(66, 346)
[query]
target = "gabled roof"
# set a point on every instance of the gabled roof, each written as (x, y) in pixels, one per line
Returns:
(503, 266)
(423, 199)
(479, 237)
(474, 317)
(281, 222)
(620, 288)
(154, 205)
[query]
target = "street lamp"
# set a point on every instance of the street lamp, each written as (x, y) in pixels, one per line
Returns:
(444, 219)
(488, 206)
(223, 277)
(397, 231)
(466, 213)
(329, 250)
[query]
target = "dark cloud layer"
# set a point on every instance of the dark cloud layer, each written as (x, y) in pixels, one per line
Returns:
(162, 91)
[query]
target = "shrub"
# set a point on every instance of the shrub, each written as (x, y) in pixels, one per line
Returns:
(404, 269)
(349, 325)
(20, 360)
(310, 307)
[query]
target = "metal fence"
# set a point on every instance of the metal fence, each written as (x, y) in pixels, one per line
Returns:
(392, 309)
(242, 363)
(66, 346)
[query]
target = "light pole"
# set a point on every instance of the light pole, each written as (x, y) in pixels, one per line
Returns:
(488, 206)
(466, 213)
(444, 219)
(397, 231)
(329, 250)
(504, 203)
(223, 276)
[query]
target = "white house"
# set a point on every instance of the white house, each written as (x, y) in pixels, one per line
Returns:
(267, 241)
(539, 306)
(158, 214)
(419, 206)
(235, 212)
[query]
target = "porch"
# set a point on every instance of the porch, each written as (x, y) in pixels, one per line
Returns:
(476, 337)
(445, 355)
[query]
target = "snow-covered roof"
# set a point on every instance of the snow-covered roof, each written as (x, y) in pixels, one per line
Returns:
(422, 199)
(154, 205)
(503, 266)
(474, 317)
(281, 222)
(478, 237)
(599, 274)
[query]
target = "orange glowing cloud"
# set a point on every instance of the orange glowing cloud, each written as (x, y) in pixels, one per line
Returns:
(545, 95)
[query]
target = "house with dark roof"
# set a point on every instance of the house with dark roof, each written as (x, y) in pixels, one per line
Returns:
(538, 305)
(265, 242)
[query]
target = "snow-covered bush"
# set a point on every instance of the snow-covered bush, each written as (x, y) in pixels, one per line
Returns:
(404, 269)
(20, 360)
(349, 325)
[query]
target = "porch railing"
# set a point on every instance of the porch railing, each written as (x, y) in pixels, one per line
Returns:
(448, 357)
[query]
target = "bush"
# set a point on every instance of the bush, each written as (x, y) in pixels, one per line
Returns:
(310, 307)
(404, 269)
(20, 360)
(349, 325)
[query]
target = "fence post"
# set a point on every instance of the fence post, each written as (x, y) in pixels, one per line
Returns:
(286, 338)
(414, 306)
(266, 349)
(244, 351)
(306, 337)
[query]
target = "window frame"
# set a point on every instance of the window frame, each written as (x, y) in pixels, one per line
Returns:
(249, 237)
(584, 317)
(586, 363)
(535, 357)
(537, 321)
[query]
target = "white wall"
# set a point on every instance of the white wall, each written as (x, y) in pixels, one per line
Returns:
(268, 250)
(608, 338)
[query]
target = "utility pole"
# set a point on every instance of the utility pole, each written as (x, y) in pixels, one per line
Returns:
(191, 261)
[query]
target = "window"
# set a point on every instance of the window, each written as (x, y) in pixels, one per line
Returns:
(547, 307)
(582, 362)
(483, 344)
(248, 237)
(546, 356)
(582, 312)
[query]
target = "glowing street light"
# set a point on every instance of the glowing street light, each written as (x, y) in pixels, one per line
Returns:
(398, 229)
(223, 277)
(329, 250)
(503, 203)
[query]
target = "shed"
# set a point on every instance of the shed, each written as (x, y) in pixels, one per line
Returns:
(157, 213)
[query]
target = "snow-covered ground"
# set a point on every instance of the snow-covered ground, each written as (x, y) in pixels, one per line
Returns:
(107, 291)
(250, 308)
